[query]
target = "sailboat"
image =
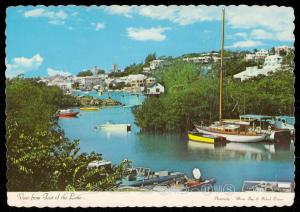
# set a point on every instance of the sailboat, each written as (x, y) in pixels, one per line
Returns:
(232, 130)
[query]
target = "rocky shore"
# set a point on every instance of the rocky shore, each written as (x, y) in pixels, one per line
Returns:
(90, 101)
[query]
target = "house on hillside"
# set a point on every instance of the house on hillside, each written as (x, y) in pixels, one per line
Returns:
(136, 80)
(201, 59)
(150, 80)
(155, 89)
(273, 61)
(154, 64)
(285, 49)
(272, 64)
(250, 57)
(146, 70)
(261, 54)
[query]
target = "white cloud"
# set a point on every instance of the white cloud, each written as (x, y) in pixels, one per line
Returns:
(70, 28)
(142, 34)
(53, 72)
(57, 18)
(120, 10)
(245, 44)
(182, 15)
(278, 20)
(273, 19)
(99, 26)
(262, 34)
(21, 65)
(241, 34)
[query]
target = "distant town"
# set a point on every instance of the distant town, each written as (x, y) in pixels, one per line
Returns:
(142, 80)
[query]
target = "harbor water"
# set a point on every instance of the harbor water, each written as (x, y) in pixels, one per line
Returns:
(230, 165)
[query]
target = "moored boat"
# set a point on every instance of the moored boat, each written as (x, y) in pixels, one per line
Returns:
(66, 113)
(205, 138)
(267, 186)
(232, 133)
(115, 127)
(232, 130)
(89, 108)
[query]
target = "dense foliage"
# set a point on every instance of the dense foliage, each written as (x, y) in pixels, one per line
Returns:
(85, 73)
(131, 69)
(39, 156)
(191, 97)
(149, 58)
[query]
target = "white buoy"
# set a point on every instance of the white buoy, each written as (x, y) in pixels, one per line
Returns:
(196, 173)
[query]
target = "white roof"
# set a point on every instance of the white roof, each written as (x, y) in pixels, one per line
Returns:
(284, 185)
(136, 77)
(98, 163)
(275, 56)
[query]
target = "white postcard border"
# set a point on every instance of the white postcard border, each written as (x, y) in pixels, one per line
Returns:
(148, 199)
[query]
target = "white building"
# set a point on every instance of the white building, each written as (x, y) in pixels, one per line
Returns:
(150, 80)
(261, 54)
(285, 49)
(272, 64)
(90, 81)
(63, 82)
(146, 70)
(156, 64)
(136, 80)
(249, 57)
(273, 60)
(155, 89)
(201, 59)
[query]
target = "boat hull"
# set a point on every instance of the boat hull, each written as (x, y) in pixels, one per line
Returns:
(115, 127)
(67, 115)
(204, 139)
(235, 138)
(155, 180)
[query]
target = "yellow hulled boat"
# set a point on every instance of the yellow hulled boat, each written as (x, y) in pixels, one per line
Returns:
(204, 138)
(89, 108)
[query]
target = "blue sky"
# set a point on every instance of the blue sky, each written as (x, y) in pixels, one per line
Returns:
(43, 41)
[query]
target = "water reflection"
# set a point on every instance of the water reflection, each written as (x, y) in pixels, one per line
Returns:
(249, 151)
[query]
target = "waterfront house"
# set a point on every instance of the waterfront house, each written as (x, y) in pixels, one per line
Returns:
(136, 80)
(65, 83)
(150, 80)
(155, 89)
(88, 82)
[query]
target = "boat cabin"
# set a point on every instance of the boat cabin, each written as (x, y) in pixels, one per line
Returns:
(234, 127)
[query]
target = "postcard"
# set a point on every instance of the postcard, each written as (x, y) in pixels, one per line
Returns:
(150, 106)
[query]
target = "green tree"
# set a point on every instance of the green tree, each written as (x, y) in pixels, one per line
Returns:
(191, 97)
(39, 156)
(85, 73)
(149, 58)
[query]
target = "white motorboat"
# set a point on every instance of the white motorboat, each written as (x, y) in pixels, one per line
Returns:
(115, 127)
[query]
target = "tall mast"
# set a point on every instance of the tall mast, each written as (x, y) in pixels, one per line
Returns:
(221, 71)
